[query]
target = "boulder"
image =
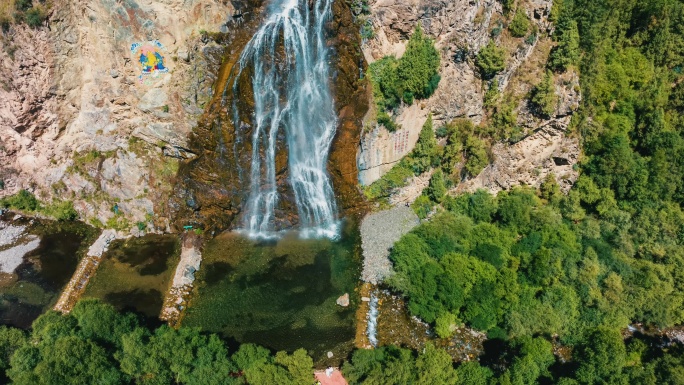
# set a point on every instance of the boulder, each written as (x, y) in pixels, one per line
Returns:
(343, 300)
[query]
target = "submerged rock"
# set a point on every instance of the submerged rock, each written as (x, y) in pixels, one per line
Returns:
(343, 300)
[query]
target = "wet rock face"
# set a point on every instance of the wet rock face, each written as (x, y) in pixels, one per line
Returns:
(212, 189)
(351, 100)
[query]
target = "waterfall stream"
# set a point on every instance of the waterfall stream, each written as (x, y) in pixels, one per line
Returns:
(372, 320)
(291, 93)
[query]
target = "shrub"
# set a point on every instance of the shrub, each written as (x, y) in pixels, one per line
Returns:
(492, 94)
(520, 24)
(507, 5)
(490, 60)
(35, 17)
(23, 200)
(62, 211)
(394, 178)
(544, 97)
(445, 325)
(386, 121)
(422, 206)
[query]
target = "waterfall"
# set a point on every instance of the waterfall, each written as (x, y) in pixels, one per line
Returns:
(291, 93)
(372, 326)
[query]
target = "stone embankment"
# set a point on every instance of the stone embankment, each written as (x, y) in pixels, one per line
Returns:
(85, 270)
(181, 287)
(379, 231)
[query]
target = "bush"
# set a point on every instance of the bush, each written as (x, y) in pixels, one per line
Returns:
(35, 17)
(507, 5)
(386, 121)
(394, 178)
(422, 206)
(445, 325)
(544, 98)
(490, 60)
(520, 24)
(62, 211)
(23, 200)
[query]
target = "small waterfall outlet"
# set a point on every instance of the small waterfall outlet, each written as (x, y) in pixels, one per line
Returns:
(372, 327)
(290, 80)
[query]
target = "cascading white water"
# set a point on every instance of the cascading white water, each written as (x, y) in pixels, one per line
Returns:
(372, 321)
(291, 93)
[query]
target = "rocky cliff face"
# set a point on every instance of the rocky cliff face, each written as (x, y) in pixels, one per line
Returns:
(460, 29)
(81, 118)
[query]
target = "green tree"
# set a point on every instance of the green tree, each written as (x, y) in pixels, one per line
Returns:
(436, 188)
(520, 23)
(385, 81)
(435, 366)
(602, 357)
(422, 206)
(426, 150)
(11, 339)
(490, 60)
(66, 360)
(544, 98)
(567, 52)
(476, 155)
(417, 69)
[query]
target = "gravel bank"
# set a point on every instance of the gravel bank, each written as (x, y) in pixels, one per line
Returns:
(11, 258)
(379, 231)
(10, 234)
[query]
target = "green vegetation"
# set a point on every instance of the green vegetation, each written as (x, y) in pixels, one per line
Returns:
(507, 5)
(23, 200)
(95, 344)
(544, 98)
(567, 52)
(361, 11)
(27, 202)
(414, 76)
(436, 188)
(62, 211)
(520, 24)
(490, 60)
(417, 162)
(26, 11)
(464, 143)
(530, 266)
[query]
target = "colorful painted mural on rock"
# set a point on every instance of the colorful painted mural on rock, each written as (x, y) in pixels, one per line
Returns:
(151, 59)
